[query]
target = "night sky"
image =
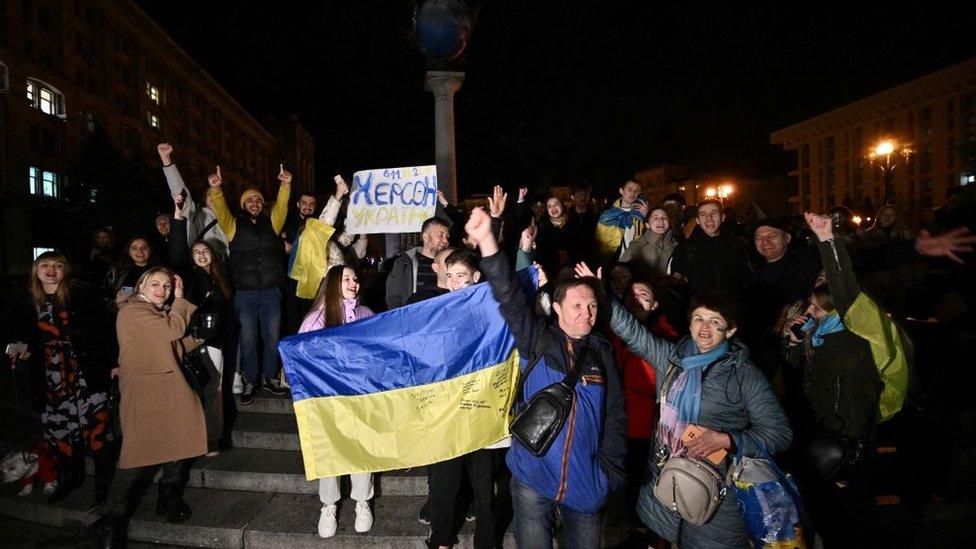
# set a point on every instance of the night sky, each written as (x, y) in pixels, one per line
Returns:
(565, 91)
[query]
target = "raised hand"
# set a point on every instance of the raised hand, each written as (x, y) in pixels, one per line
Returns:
(441, 198)
(342, 188)
(164, 150)
(543, 279)
(284, 176)
(583, 270)
(641, 208)
(945, 245)
(496, 202)
(821, 225)
(177, 286)
(478, 228)
(523, 192)
(178, 203)
(214, 179)
(527, 241)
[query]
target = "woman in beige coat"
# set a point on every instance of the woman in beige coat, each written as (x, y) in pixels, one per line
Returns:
(162, 418)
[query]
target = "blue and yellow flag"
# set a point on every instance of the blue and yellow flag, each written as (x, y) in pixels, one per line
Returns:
(412, 386)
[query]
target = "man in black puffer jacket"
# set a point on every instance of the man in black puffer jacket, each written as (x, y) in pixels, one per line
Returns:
(257, 269)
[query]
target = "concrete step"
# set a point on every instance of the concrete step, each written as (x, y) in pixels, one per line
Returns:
(265, 432)
(266, 403)
(253, 470)
(282, 471)
(232, 519)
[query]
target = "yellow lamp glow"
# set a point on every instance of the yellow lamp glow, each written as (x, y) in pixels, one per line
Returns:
(710, 192)
(884, 148)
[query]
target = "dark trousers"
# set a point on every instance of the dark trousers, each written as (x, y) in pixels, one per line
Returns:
(841, 516)
(445, 483)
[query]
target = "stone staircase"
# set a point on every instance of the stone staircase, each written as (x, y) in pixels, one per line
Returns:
(255, 495)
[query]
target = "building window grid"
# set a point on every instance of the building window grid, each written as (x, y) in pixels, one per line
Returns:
(153, 93)
(43, 183)
(45, 98)
(153, 120)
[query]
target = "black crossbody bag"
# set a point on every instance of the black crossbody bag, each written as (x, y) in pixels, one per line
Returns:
(539, 421)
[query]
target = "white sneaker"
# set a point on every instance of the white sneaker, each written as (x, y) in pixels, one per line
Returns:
(364, 517)
(327, 521)
(238, 384)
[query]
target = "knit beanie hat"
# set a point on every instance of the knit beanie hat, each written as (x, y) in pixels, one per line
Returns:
(249, 193)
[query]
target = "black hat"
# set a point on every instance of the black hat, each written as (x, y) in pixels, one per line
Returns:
(774, 222)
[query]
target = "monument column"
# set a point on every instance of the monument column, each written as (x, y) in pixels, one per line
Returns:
(444, 84)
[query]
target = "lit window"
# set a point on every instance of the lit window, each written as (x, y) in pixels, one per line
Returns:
(153, 120)
(43, 183)
(39, 250)
(46, 98)
(32, 177)
(47, 101)
(967, 179)
(152, 92)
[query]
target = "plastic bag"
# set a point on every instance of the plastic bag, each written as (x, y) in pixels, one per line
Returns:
(769, 502)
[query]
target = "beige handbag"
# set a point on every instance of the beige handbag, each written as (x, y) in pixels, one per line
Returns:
(691, 488)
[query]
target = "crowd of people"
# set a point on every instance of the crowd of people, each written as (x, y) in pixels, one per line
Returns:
(666, 317)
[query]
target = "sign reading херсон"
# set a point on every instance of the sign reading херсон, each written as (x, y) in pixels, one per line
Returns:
(393, 200)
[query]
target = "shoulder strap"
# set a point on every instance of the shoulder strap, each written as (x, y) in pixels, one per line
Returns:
(572, 378)
(535, 355)
(207, 228)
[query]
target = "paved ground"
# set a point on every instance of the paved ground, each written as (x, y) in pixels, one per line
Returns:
(18, 534)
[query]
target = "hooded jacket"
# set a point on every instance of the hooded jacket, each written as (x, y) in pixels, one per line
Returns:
(735, 399)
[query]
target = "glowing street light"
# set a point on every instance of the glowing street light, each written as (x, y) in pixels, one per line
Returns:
(881, 155)
(722, 191)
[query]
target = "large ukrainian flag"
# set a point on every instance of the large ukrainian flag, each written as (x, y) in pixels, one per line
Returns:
(409, 387)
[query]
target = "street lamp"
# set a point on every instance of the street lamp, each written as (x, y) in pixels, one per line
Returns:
(881, 154)
(722, 192)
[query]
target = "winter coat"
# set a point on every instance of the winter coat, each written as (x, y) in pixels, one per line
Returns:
(651, 253)
(841, 381)
(586, 460)
(198, 218)
(257, 255)
(162, 418)
(718, 264)
(402, 282)
(199, 286)
(735, 399)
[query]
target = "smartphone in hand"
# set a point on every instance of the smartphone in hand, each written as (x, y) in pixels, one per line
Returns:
(693, 432)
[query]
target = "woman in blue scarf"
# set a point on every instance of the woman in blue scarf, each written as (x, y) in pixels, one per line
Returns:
(710, 382)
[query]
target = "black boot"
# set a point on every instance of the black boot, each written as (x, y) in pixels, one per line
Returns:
(67, 481)
(170, 502)
(104, 473)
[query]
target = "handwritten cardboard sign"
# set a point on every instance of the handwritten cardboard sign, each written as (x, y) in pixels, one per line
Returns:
(393, 200)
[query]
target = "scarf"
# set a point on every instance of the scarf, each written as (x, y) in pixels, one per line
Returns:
(830, 324)
(617, 216)
(683, 403)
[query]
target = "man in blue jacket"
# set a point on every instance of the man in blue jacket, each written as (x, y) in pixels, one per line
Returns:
(586, 460)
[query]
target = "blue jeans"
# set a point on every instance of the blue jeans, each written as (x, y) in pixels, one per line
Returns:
(259, 308)
(535, 521)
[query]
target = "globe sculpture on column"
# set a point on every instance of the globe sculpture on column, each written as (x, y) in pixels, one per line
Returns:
(443, 29)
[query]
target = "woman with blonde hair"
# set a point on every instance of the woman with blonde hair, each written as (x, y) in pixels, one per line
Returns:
(162, 418)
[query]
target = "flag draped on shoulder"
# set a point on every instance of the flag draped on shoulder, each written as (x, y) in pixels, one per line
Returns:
(890, 348)
(409, 387)
(310, 257)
